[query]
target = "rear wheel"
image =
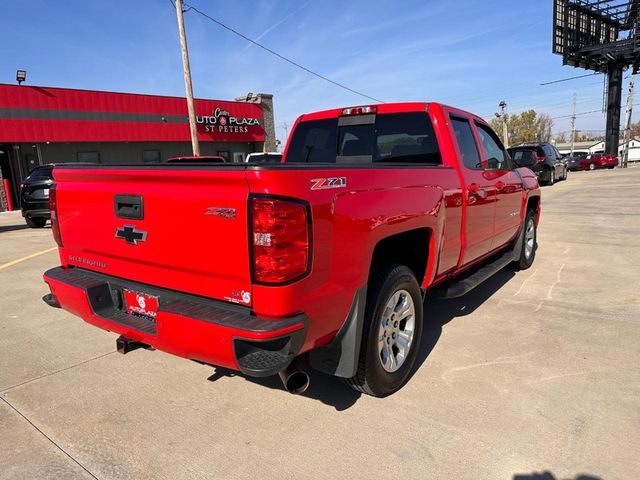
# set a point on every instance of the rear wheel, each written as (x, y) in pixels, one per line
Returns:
(552, 176)
(391, 332)
(36, 222)
(529, 243)
(592, 166)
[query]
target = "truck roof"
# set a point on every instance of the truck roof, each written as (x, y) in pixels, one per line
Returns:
(395, 107)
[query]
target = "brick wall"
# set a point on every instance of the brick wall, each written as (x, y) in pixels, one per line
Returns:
(268, 123)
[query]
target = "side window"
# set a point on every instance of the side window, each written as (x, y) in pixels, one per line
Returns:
(496, 157)
(466, 143)
(549, 153)
(406, 138)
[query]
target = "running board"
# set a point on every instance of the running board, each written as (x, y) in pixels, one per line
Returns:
(465, 285)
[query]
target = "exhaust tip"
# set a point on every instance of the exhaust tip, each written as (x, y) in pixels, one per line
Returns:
(295, 381)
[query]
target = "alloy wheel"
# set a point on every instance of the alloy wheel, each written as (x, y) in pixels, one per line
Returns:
(396, 331)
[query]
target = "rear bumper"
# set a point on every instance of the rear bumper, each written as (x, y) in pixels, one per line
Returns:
(185, 325)
(38, 211)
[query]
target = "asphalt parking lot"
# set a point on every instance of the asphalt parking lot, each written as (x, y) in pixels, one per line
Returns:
(534, 375)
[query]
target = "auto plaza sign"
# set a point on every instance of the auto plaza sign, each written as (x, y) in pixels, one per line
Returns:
(223, 122)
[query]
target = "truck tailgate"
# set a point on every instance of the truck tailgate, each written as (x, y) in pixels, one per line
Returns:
(192, 235)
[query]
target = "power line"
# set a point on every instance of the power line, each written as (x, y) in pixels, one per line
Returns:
(576, 114)
(569, 78)
(282, 57)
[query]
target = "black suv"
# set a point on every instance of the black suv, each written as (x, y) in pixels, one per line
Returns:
(34, 196)
(547, 162)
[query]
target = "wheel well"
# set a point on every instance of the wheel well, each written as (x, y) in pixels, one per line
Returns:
(408, 248)
(533, 203)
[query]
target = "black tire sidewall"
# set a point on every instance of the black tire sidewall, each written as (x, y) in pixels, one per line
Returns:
(36, 222)
(381, 382)
(524, 261)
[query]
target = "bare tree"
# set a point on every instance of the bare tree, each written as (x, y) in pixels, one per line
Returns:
(525, 127)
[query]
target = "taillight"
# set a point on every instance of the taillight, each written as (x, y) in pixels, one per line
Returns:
(539, 159)
(280, 236)
(53, 207)
(360, 110)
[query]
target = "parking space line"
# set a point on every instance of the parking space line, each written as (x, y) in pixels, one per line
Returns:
(33, 255)
(10, 405)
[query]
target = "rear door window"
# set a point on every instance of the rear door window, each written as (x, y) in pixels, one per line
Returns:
(466, 143)
(551, 155)
(406, 138)
(390, 138)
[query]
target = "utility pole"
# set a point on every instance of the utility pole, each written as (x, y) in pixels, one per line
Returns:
(187, 80)
(573, 124)
(624, 161)
(503, 115)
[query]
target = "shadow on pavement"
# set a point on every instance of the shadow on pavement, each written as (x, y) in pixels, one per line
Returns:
(549, 476)
(324, 388)
(331, 391)
(10, 228)
(438, 312)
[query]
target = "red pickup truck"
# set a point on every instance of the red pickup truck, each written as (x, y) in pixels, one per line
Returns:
(327, 254)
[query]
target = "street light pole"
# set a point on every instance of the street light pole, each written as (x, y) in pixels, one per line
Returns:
(624, 161)
(573, 124)
(187, 80)
(503, 115)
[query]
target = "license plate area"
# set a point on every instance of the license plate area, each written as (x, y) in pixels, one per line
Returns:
(140, 304)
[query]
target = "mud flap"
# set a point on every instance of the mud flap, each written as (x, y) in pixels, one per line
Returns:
(340, 356)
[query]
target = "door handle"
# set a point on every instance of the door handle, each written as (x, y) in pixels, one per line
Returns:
(129, 206)
(499, 185)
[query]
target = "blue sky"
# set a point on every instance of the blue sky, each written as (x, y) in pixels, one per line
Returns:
(469, 54)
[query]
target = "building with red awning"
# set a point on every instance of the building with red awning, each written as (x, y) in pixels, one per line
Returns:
(41, 125)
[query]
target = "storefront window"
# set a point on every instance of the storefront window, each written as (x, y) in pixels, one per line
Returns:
(89, 157)
(151, 156)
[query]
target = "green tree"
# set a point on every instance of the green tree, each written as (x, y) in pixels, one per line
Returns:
(525, 127)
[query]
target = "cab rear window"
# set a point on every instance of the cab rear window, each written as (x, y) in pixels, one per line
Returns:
(390, 138)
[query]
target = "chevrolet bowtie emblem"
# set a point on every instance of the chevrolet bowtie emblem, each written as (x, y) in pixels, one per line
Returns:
(130, 235)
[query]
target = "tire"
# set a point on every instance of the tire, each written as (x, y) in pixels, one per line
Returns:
(592, 166)
(377, 375)
(36, 222)
(529, 242)
(566, 174)
(552, 176)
